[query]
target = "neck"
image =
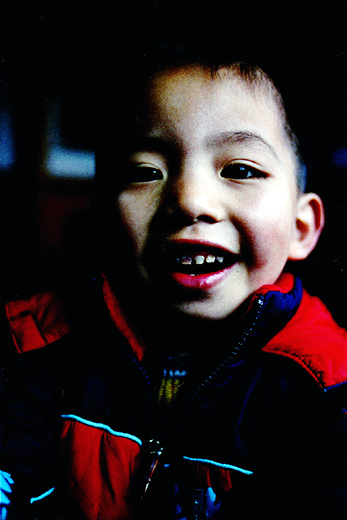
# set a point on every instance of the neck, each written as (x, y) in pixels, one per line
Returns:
(169, 332)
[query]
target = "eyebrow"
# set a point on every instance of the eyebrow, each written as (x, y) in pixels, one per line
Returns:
(157, 143)
(228, 138)
(152, 143)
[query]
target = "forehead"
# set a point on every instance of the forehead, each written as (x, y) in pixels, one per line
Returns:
(191, 86)
(189, 101)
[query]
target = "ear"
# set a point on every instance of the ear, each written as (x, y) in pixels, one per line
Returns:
(307, 227)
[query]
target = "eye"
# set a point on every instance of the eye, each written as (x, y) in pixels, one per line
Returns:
(241, 171)
(139, 173)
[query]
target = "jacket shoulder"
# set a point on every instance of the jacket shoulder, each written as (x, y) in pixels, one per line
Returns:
(314, 340)
(37, 321)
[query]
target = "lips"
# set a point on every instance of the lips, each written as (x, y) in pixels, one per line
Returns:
(198, 265)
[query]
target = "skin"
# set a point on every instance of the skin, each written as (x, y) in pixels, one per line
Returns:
(197, 132)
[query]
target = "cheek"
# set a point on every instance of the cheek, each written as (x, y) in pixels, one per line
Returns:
(271, 231)
(136, 214)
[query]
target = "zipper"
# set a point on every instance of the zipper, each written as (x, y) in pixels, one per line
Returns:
(230, 358)
(153, 448)
(148, 384)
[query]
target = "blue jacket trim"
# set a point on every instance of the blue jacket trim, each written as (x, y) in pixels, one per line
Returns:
(101, 426)
(5, 489)
(220, 465)
(44, 495)
(6, 481)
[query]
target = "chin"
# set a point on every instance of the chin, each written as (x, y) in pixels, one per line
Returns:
(204, 310)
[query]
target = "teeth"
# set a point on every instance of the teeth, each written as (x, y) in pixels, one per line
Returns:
(186, 260)
(199, 260)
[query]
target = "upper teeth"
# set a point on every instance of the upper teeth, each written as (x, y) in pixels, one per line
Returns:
(199, 259)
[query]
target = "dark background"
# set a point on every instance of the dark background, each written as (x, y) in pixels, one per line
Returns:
(52, 52)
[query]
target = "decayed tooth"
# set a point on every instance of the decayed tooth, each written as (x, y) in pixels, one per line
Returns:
(220, 259)
(210, 259)
(186, 260)
(199, 259)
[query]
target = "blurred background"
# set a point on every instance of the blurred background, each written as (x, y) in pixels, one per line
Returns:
(49, 87)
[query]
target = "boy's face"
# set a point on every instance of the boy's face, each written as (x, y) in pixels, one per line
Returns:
(210, 204)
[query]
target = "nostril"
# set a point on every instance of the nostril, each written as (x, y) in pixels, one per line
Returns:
(178, 213)
(205, 218)
(183, 218)
(169, 211)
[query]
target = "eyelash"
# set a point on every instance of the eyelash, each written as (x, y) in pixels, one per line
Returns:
(237, 171)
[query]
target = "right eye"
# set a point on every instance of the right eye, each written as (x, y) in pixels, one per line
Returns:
(139, 173)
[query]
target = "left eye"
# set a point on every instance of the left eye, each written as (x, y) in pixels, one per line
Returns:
(241, 171)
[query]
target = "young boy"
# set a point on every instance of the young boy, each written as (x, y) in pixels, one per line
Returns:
(194, 378)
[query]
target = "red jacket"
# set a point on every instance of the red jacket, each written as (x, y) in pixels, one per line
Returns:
(266, 428)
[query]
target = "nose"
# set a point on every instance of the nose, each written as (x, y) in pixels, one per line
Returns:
(192, 195)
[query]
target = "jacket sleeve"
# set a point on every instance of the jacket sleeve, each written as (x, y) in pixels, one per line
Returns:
(302, 452)
(29, 428)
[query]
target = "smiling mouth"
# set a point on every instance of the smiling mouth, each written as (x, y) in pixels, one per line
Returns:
(198, 260)
(192, 265)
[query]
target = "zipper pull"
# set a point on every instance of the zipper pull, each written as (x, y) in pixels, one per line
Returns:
(155, 450)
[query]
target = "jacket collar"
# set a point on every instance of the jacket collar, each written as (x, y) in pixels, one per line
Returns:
(281, 319)
(268, 311)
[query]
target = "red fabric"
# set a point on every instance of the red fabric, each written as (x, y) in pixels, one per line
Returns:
(122, 321)
(37, 321)
(40, 320)
(284, 285)
(206, 475)
(100, 467)
(315, 341)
